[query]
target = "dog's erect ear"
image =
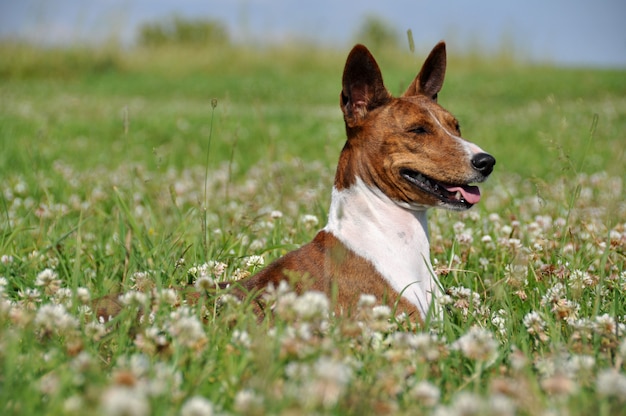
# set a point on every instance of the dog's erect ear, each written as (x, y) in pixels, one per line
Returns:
(430, 79)
(363, 89)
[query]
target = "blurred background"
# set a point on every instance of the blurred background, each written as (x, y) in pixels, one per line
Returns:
(588, 33)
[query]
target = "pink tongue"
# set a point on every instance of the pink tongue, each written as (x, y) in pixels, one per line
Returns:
(470, 193)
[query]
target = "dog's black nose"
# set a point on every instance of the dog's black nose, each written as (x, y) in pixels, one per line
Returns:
(483, 162)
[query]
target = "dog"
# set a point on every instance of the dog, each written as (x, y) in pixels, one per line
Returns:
(403, 155)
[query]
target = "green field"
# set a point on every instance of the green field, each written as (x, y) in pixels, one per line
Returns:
(139, 171)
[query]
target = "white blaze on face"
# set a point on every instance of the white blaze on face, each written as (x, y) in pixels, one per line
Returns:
(470, 148)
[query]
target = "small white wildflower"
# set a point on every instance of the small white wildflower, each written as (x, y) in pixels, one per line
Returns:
(74, 405)
(6, 259)
(426, 393)
(48, 279)
(255, 261)
(477, 344)
(467, 404)
(124, 401)
(204, 283)
(241, 338)
(248, 402)
(312, 305)
(381, 312)
(579, 280)
(605, 325)
(328, 382)
(534, 323)
(186, 329)
(309, 220)
(366, 301)
(217, 267)
(197, 406)
(168, 296)
(142, 281)
(132, 297)
(83, 295)
(55, 319)
(276, 214)
(580, 365)
(611, 383)
(29, 297)
(63, 296)
(553, 294)
(95, 330)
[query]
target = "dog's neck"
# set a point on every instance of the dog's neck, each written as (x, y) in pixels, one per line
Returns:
(393, 238)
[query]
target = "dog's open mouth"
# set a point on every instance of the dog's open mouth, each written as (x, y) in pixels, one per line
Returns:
(457, 195)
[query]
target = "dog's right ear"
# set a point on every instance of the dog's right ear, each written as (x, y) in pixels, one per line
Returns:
(363, 88)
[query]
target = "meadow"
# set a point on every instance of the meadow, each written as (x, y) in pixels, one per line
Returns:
(138, 172)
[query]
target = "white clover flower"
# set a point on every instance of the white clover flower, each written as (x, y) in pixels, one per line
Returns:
(366, 301)
(463, 298)
(83, 295)
(247, 401)
(63, 296)
(168, 296)
(217, 267)
(534, 323)
(467, 404)
(309, 220)
(499, 321)
(579, 280)
(48, 279)
(134, 298)
(255, 261)
(312, 305)
(276, 214)
(95, 330)
(204, 283)
(55, 319)
(124, 401)
(458, 227)
(186, 329)
(6, 259)
(477, 344)
(327, 383)
(381, 312)
(605, 325)
(611, 383)
(553, 294)
(142, 281)
(197, 406)
(580, 365)
(426, 393)
(241, 338)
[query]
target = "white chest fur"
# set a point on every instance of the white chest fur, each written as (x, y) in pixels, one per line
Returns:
(393, 238)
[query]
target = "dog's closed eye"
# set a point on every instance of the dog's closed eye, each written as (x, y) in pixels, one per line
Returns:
(418, 130)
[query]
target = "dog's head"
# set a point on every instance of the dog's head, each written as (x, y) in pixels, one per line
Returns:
(408, 147)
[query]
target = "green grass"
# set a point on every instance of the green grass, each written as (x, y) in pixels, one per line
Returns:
(103, 170)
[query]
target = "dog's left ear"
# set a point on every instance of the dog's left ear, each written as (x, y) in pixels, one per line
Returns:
(430, 78)
(363, 89)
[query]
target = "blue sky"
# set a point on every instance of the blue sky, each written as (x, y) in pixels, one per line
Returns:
(563, 32)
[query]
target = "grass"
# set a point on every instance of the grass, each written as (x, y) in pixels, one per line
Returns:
(104, 169)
